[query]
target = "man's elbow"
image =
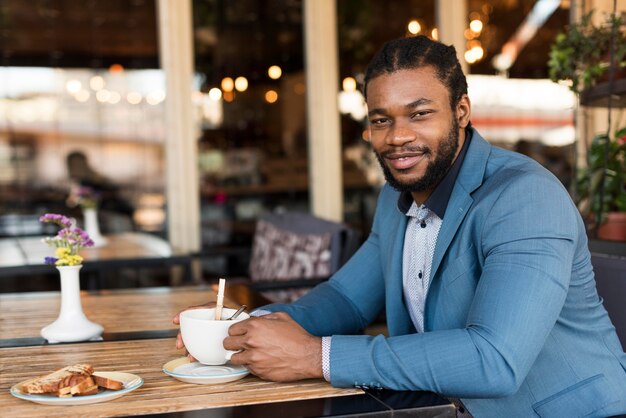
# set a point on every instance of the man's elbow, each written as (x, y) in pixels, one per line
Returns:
(500, 384)
(502, 390)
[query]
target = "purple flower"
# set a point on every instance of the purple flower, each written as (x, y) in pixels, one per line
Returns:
(82, 238)
(68, 237)
(62, 221)
(83, 196)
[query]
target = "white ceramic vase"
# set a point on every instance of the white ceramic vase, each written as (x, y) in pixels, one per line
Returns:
(92, 227)
(72, 324)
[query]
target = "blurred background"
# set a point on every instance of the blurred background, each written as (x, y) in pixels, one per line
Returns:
(97, 80)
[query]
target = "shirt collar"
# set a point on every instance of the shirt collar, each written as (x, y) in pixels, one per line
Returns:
(437, 202)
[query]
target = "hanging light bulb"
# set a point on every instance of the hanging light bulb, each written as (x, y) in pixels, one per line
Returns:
(133, 98)
(103, 95)
(96, 83)
(349, 84)
(476, 25)
(73, 86)
(228, 84)
(271, 96)
(215, 94)
(274, 72)
(414, 27)
(155, 97)
(116, 68)
(241, 84)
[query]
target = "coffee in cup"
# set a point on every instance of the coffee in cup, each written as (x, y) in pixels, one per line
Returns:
(203, 336)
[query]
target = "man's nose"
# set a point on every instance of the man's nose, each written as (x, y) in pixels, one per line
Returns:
(400, 135)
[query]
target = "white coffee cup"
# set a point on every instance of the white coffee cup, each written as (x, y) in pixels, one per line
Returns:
(203, 336)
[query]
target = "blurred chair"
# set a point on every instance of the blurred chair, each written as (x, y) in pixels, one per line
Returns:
(610, 272)
(292, 252)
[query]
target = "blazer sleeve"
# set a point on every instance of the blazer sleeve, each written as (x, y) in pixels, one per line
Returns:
(528, 251)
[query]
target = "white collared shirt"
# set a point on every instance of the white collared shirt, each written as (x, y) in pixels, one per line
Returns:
(420, 238)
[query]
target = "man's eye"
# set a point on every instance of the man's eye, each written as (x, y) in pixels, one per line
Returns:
(419, 114)
(378, 121)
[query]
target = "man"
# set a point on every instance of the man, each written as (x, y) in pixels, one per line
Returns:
(477, 254)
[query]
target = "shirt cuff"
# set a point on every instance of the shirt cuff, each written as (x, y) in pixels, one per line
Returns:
(326, 357)
(259, 312)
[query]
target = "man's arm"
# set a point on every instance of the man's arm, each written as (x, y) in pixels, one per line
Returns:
(528, 250)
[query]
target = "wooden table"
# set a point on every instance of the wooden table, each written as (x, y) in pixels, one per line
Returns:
(159, 393)
(125, 314)
(135, 321)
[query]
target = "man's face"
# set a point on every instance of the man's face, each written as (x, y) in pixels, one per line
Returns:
(413, 130)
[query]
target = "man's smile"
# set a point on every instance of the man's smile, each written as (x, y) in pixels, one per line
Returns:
(405, 160)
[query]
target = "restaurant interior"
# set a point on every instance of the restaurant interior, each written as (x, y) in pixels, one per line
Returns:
(177, 132)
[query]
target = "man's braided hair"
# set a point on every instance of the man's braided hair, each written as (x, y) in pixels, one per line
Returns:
(417, 52)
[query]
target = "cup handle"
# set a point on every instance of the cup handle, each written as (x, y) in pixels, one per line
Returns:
(229, 354)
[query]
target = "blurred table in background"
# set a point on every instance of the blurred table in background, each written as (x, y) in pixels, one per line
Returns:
(25, 255)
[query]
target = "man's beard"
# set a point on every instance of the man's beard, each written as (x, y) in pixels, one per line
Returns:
(436, 169)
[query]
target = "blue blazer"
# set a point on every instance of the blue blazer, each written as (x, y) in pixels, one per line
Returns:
(514, 325)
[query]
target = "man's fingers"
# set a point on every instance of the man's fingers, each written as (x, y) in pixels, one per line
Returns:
(241, 359)
(242, 327)
(235, 343)
(179, 341)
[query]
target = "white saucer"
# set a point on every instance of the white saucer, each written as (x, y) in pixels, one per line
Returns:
(198, 373)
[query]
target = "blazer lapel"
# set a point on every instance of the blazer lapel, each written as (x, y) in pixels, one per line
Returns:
(469, 179)
(398, 318)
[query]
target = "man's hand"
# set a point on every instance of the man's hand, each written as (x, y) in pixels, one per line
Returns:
(275, 347)
(176, 320)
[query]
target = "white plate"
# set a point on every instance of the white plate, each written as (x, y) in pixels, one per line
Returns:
(198, 373)
(131, 382)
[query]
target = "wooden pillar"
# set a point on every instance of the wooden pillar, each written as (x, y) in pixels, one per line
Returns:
(181, 155)
(451, 24)
(322, 89)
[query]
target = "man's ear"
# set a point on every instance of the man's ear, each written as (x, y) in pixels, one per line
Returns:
(367, 134)
(463, 111)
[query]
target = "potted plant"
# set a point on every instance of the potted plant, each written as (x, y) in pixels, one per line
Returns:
(605, 208)
(582, 53)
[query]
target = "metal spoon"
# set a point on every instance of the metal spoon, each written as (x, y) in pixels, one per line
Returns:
(239, 311)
